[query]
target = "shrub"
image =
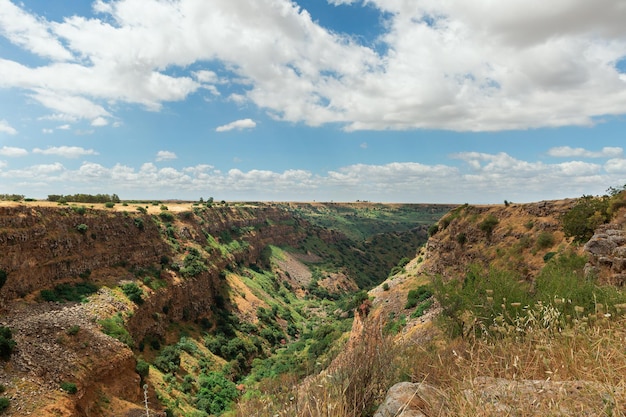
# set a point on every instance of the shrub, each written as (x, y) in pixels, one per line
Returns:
(73, 330)
(582, 219)
(166, 216)
(461, 238)
(142, 368)
(545, 240)
(139, 223)
(414, 297)
(79, 209)
(7, 344)
(69, 292)
(114, 327)
(142, 209)
(168, 360)
(69, 387)
(488, 224)
(385, 287)
(82, 228)
(109, 204)
(216, 393)
(133, 292)
(4, 404)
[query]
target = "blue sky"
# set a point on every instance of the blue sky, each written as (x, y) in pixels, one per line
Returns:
(343, 100)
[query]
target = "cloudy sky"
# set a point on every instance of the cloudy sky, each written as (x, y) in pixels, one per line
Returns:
(382, 100)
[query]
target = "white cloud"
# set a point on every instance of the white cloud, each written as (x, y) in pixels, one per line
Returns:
(467, 66)
(5, 127)
(567, 152)
(71, 152)
(99, 121)
(238, 125)
(12, 151)
(486, 178)
(30, 32)
(165, 156)
(616, 166)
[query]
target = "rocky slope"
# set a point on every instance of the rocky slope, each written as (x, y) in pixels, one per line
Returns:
(43, 247)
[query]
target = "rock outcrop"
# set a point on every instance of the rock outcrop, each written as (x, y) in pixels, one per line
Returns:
(607, 253)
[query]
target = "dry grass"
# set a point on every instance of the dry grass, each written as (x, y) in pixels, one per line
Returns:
(531, 368)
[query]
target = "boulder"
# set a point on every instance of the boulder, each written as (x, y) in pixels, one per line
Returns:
(406, 399)
(599, 246)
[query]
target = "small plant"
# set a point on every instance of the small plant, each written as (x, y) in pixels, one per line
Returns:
(545, 240)
(142, 210)
(69, 387)
(166, 216)
(79, 209)
(461, 238)
(4, 404)
(488, 225)
(7, 344)
(73, 330)
(142, 368)
(414, 297)
(133, 292)
(139, 223)
(82, 228)
(385, 287)
(163, 207)
(109, 204)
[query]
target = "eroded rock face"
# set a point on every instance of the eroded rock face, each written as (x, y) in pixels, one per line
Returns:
(607, 253)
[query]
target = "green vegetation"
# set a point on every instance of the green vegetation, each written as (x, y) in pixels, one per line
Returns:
(482, 300)
(114, 327)
(82, 228)
(590, 212)
(11, 197)
(85, 198)
(69, 292)
(133, 292)
(7, 344)
(414, 297)
(488, 224)
(4, 404)
(69, 387)
(216, 393)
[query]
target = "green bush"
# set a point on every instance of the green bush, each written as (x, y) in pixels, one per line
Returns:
(433, 229)
(139, 223)
(488, 224)
(79, 209)
(545, 240)
(414, 297)
(216, 393)
(7, 344)
(142, 368)
(69, 292)
(114, 327)
(582, 219)
(109, 204)
(142, 210)
(166, 216)
(73, 330)
(69, 387)
(82, 228)
(168, 360)
(4, 404)
(133, 292)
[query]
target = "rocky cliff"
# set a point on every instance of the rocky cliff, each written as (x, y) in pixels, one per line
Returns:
(42, 247)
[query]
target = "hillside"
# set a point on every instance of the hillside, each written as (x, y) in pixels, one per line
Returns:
(503, 311)
(182, 298)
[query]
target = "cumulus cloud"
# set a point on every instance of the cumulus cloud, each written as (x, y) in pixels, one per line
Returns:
(165, 156)
(480, 178)
(5, 127)
(12, 151)
(448, 65)
(238, 125)
(99, 121)
(71, 152)
(567, 152)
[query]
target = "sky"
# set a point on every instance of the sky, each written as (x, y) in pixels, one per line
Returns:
(417, 101)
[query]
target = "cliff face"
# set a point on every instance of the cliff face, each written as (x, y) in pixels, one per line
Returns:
(41, 247)
(516, 237)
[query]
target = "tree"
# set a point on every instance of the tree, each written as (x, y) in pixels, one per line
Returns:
(581, 220)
